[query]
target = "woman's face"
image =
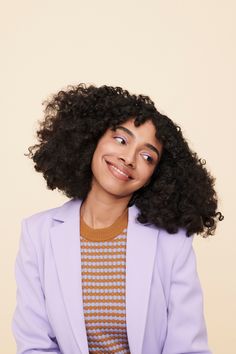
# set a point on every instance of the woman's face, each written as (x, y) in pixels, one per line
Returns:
(125, 159)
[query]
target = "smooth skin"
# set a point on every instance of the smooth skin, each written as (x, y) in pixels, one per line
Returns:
(133, 150)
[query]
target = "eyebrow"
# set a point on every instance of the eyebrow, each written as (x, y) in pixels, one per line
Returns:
(150, 146)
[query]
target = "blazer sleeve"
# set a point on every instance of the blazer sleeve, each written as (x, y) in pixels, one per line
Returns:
(186, 331)
(30, 324)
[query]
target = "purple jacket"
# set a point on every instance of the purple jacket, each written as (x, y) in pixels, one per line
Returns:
(164, 304)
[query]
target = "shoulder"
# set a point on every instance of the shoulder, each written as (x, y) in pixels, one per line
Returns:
(173, 243)
(173, 252)
(40, 218)
(53, 213)
(168, 245)
(41, 222)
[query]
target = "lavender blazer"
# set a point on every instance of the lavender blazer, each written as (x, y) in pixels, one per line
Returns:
(164, 304)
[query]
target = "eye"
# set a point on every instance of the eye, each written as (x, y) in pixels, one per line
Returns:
(120, 140)
(149, 159)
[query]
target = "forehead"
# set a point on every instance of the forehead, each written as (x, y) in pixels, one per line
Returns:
(147, 128)
(145, 132)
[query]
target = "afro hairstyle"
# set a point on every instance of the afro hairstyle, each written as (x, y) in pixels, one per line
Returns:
(181, 191)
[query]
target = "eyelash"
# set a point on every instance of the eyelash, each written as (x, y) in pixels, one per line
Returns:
(148, 161)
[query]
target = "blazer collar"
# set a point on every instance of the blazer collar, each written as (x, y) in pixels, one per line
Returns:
(140, 256)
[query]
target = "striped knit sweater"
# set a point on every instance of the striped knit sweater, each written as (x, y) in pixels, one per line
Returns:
(103, 267)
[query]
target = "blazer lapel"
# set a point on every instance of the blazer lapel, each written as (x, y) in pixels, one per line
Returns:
(140, 256)
(65, 238)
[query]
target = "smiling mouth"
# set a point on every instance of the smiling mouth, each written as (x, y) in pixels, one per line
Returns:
(117, 172)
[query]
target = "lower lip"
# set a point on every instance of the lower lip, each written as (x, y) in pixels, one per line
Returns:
(116, 173)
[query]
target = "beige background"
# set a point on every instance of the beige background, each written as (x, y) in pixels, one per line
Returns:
(181, 53)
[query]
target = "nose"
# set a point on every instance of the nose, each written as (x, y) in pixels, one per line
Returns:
(129, 160)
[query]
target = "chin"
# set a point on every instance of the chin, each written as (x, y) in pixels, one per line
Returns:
(116, 191)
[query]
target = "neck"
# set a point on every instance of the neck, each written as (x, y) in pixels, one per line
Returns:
(100, 211)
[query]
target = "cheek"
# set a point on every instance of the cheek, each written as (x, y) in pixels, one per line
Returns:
(101, 151)
(144, 169)
(98, 152)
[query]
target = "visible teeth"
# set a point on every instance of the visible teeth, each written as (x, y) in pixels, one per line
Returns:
(117, 169)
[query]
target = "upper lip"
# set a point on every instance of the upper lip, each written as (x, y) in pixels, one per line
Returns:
(121, 168)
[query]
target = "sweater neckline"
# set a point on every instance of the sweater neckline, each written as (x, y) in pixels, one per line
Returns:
(106, 233)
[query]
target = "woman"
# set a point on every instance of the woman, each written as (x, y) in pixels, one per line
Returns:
(113, 270)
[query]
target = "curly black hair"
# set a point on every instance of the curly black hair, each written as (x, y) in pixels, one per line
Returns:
(181, 191)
